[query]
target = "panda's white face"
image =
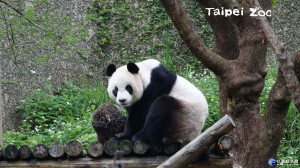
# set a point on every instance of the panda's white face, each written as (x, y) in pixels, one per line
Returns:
(125, 87)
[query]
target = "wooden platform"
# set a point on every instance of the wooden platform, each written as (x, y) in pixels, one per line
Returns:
(126, 162)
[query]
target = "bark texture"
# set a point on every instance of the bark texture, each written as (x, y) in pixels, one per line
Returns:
(239, 61)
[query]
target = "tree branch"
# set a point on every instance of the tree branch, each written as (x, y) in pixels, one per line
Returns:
(10, 37)
(28, 20)
(224, 29)
(286, 64)
(279, 101)
(275, 115)
(211, 60)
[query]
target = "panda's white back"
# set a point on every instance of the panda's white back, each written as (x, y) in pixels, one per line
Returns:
(195, 108)
(182, 89)
(146, 68)
(193, 114)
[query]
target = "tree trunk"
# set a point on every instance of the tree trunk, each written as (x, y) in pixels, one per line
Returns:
(239, 62)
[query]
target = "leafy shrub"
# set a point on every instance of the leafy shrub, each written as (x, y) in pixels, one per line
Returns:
(42, 109)
(61, 116)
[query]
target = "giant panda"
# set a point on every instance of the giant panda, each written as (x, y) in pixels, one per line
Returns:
(162, 107)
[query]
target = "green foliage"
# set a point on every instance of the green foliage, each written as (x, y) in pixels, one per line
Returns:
(290, 143)
(59, 116)
(275, 2)
(34, 29)
(269, 82)
(42, 108)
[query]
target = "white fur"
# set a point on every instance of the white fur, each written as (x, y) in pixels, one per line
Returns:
(192, 117)
(146, 68)
(121, 78)
(139, 82)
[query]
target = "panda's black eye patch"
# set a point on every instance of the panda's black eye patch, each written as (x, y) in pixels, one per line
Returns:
(115, 91)
(129, 89)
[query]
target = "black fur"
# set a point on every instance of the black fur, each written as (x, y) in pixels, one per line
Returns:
(129, 89)
(132, 68)
(148, 117)
(111, 68)
(115, 91)
(157, 121)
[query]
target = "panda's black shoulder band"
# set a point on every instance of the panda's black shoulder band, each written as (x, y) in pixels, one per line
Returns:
(133, 68)
(111, 68)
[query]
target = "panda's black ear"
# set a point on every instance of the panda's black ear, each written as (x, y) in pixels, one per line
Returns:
(133, 68)
(111, 68)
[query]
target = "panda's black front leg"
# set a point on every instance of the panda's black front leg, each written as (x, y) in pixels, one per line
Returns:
(131, 128)
(157, 121)
(127, 134)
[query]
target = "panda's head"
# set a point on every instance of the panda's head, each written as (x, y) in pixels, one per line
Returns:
(124, 85)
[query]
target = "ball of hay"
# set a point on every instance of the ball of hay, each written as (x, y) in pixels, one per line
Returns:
(108, 121)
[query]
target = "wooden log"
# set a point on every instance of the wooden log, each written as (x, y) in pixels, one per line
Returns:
(56, 150)
(95, 149)
(25, 152)
(213, 162)
(110, 147)
(192, 151)
(73, 148)
(126, 146)
(222, 147)
(140, 147)
(171, 149)
(129, 162)
(84, 153)
(155, 150)
(11, 152)
(225, 143)
(40, 151)
(184, 143)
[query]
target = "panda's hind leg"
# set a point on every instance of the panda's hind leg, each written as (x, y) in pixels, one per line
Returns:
(158, 120)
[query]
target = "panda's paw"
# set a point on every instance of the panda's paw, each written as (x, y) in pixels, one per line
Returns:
(137, 137)
(117, 139)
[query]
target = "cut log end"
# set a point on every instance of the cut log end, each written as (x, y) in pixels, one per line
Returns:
(25, 152)
(56, 150)
(73, 148)
(155, 150)
(126, 146)
(110, 147)
(230, 119)
(140, 147)
(95, 149)
(40, 151)
(171, 149)
(11, 152)
(225, 143)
